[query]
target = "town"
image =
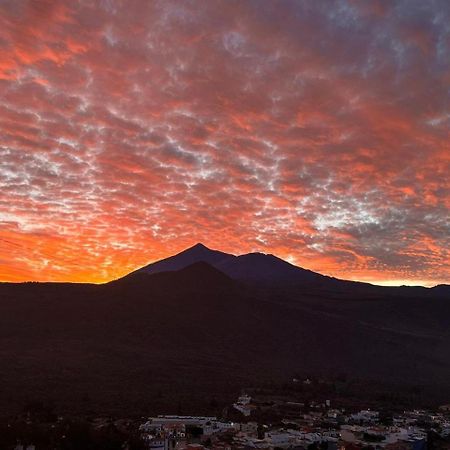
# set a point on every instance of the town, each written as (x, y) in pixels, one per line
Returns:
(250, 424)
(322, 427)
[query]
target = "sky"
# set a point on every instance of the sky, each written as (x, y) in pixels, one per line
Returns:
(315, 130)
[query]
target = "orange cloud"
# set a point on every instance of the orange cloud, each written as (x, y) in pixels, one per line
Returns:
(316, 133)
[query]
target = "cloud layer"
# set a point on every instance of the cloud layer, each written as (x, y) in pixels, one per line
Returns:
(318, 131)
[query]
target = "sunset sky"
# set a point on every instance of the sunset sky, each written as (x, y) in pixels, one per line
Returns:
(315, 130)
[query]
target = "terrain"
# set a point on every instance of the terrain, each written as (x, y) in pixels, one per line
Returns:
(191, 330)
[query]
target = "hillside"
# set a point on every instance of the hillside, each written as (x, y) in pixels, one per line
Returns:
(173, 341)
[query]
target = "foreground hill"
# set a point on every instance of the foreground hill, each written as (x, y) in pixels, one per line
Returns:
(175, 340)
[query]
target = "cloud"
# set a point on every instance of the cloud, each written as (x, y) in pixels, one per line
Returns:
(314, 131)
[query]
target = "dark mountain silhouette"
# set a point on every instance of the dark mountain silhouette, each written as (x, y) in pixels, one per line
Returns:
(260, 267)
(442, 290)
(197, 253)
(266, 270)
(256, 267)
(173, 340)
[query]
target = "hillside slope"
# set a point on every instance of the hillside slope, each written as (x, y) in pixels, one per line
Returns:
(175, 340)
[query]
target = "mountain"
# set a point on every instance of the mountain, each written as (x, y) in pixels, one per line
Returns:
(261, 273)
(442, 289)
(197, 253)
(251, 267)
(268, 271)
(174, 340)
(259, 267)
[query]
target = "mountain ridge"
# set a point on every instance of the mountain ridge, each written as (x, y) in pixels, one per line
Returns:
(255, 266)
(263, 268)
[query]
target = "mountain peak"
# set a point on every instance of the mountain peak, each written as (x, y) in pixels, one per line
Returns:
(197, 253)
(198, 247)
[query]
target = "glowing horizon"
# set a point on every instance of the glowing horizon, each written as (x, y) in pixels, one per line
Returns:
(387, 283)
(314, 131)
